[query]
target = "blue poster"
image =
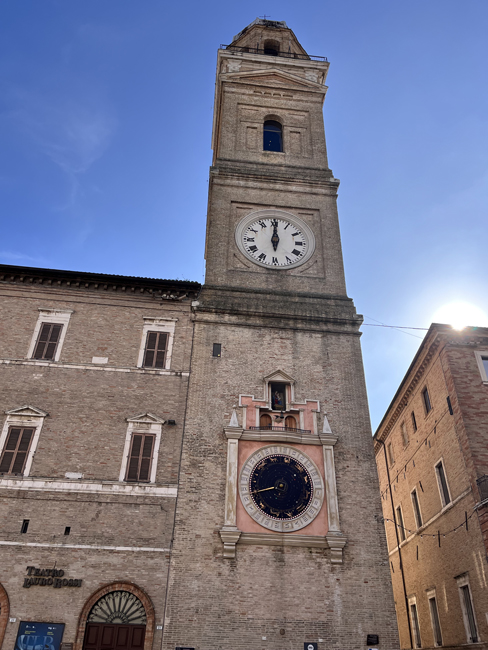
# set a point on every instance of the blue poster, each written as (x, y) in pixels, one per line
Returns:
(39, 636)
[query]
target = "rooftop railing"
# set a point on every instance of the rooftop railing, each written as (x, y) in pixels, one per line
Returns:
(272, 427)
(287, 55)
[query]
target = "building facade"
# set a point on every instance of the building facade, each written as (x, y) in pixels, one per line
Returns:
(202, 455)
(431, 454)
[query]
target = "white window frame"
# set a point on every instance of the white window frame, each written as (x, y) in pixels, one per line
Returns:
(24, 417)
(431, 594)
(463, 581)
(57, 316)
(146, 423)
(480, 354)
(413, 508)
(153, 324)
(439, 485)
(413, 601)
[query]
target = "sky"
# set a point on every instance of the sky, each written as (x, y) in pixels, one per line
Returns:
(105, 127)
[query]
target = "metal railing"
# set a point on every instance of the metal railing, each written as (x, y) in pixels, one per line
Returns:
(272, 427)
(287, 55)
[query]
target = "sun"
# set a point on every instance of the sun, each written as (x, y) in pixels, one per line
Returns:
(461, 314)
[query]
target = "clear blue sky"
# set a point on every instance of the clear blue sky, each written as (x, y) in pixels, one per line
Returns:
(105, 125)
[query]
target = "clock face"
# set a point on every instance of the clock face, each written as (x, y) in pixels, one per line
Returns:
(275, 239)
(281, 488)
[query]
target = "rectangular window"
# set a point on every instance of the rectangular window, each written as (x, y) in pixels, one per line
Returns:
(414, 618)
(414, 422)
(416, 508)
(15, 451)
(24, 527)
(404, 434)
(482, 360)
(426, 398)
(401, 527)
(442, 482)
(217, 350)
(391, 457)
(278, 397)
(140, 457)
(434, 617)
(155, 352)
(468, 614)
(47, 341)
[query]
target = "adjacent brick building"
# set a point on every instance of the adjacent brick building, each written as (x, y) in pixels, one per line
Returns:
(186, 466)
(432, 459)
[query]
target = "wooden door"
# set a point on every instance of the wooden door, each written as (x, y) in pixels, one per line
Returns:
(105, 636)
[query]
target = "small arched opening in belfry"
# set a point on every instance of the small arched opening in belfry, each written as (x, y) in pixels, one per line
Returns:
(272, 136)
(271, 48)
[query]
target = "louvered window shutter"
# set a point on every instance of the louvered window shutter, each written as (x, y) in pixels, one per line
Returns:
(139, 465)
(16, 450)
(48, 341)
(155, 353)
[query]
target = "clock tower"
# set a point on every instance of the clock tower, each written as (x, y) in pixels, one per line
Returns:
(278, 536)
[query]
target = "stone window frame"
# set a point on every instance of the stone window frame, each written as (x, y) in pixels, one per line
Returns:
(157, 324)
(423, 393)
(480, 355)
(145, 423)
(463, 581)
(417, 523)
(417, 641)
(25, 417)
(48, 315)
(444, 504)
(402, 530)
(432, 595)
(391, 455)
(404, 434)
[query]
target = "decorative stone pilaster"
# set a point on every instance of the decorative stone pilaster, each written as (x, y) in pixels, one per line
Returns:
(335, 538)
(229, 532)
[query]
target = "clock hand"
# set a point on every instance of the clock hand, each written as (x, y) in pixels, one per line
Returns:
(275, 239)
(263, 490)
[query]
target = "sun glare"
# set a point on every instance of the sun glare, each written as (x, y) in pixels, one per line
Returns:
(460, 315)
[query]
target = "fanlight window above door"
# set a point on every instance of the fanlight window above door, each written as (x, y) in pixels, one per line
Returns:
(118, 607)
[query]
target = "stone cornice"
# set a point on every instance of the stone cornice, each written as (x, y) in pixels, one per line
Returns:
(173, 290)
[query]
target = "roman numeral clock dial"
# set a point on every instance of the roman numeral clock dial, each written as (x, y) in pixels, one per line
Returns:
(275, 239)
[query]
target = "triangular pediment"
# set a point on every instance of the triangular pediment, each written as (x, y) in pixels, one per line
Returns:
(280, 376)
(146, 418)
(27, 411)
(272, 75)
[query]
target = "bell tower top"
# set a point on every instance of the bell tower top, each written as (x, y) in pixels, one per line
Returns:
(272, 220)
(271, 37)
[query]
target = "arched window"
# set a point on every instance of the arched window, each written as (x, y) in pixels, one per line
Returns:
(272, 136)
(265, 421)
(290, 422)
(271, 48)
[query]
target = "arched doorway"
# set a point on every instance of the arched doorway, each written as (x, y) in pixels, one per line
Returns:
(4, 612)
(117, 617)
